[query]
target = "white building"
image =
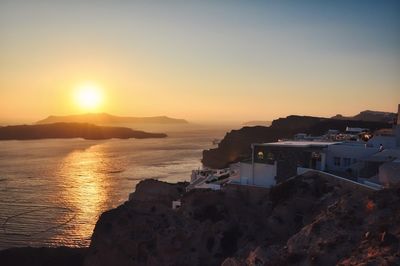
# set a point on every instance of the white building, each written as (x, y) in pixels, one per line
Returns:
(272, 163)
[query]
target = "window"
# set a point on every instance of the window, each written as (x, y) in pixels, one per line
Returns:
(346, 162)
(270, 158)
(316, 156)
(336, 161)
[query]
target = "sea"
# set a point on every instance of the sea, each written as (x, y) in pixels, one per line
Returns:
(52, 191)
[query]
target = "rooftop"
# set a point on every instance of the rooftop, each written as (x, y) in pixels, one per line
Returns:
(356, 129)
(300, 144)
(384, 132)
(353, 143)
(386, 155)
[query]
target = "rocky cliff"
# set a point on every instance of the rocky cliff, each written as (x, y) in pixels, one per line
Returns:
(236, 144)
(309, 220)
(353, 229)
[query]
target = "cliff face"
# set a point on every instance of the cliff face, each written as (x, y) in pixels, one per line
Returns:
(236, 144)
(71, 130)
(356, 229)
(308, 220)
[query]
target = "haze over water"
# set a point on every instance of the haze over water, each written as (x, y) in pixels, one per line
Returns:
(53, 191)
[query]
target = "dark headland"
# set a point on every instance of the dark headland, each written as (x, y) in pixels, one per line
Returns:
(72, 130)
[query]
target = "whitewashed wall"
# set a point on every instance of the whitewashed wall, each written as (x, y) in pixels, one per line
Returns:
(245, 173)
(264, 174)
(346, 151)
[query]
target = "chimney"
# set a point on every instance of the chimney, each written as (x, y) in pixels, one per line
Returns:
(398, 115)
(397, 128)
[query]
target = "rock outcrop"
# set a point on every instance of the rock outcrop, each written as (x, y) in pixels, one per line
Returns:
(308, 220)
(356, 229)
(236, 144)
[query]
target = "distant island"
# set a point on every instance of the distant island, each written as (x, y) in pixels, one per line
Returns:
(72, 130)
(257, 123)
(104, 118)
(368, 115)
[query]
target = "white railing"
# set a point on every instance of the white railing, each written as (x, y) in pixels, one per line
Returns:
(302, 170)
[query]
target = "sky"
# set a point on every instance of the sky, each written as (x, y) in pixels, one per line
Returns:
(199, 60)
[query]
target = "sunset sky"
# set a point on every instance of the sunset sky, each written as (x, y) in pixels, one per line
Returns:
(198, 60)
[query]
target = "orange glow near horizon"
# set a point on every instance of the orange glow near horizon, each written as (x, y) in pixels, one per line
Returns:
(272, 60)
(89, 97)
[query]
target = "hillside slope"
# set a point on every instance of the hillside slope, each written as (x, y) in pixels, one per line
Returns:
(312, 219)
(309, 220)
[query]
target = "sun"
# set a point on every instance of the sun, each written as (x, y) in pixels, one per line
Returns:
(89, 96)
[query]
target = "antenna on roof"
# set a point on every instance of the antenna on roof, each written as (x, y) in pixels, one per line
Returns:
(398, 115)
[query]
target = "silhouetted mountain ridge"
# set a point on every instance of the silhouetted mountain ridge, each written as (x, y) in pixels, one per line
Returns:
(72, 130)
(104, 118)
(369, 115)
(257, 123)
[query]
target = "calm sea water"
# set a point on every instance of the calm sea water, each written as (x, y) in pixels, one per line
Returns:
(53, 191)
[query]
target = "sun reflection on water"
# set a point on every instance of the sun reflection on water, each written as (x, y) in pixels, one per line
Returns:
(86, 187)
(53, 191)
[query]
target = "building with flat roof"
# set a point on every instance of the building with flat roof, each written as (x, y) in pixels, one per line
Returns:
(272, 163)
(275, 162)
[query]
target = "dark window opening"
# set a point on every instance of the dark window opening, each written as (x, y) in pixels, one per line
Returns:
(336, 161)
